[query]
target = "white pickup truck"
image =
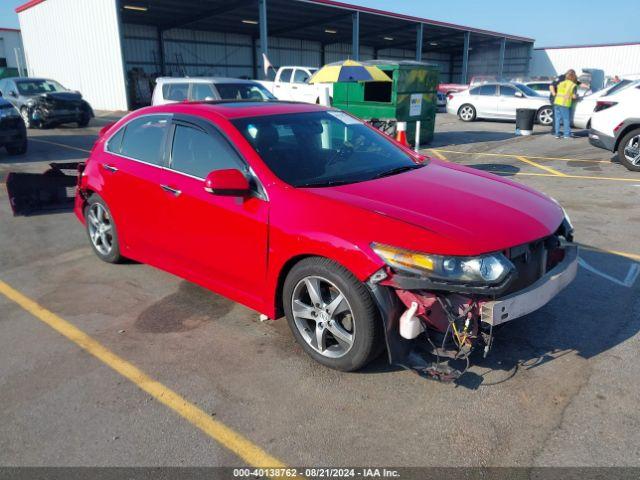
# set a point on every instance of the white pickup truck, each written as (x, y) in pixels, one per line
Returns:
(292, 83)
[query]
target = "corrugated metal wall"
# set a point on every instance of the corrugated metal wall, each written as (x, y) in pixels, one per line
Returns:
(484, 61)
(622, 60)
(78, 44)
(11, 47)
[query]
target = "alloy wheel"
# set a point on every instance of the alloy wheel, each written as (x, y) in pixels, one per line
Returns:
(100, 229)
(323, 316)
(632, 150)
(26, 118)
(466, 113)
(546, 116)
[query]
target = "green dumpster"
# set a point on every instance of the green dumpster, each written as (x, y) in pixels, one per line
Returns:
(411, 96)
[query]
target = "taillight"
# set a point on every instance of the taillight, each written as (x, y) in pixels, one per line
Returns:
(615, 130)
(602, 105)
(450, 97)
(105, 129)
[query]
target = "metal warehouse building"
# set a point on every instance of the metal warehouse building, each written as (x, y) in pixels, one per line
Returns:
(104, 47)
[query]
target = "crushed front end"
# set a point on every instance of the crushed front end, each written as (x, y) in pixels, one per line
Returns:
(56, 108)
(438, 308)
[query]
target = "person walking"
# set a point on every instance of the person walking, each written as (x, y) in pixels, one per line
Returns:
(565, 94)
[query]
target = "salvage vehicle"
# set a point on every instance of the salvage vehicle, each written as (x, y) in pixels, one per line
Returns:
(498, 101)
(584, 108)
(292, 83)
(174, 89)
(615, 125)
(13, 134)
(304, 210)
(45, 103)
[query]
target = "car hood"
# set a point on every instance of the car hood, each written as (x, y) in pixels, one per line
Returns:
(475, 211)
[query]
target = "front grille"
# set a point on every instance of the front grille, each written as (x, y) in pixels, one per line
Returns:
(530, 261)
(58, 104)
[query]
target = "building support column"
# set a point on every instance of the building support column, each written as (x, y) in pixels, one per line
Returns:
(161, 60)
(529, 58)
(465, 59)
(419, 35)
(503, 48)
(254, 57)
(323, 54)
(355, 32)
(262, 20)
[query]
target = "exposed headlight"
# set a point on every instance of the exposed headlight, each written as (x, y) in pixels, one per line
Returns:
(9, 112)
(485, 269)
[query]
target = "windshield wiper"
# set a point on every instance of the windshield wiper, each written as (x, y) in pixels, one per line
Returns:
(328, 183)
(396, 170)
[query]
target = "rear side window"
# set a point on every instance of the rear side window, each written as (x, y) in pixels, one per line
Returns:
(198, 153)
(285, 75)
(114, 143)
(144, 138)
(202, 91)
(176, 92)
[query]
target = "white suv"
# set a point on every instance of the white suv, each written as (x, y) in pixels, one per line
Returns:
(615, 125)
(173, 90)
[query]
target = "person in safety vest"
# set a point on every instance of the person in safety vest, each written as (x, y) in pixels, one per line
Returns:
(565, 94)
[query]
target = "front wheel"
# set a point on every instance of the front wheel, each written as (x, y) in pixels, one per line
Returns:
(545, 116)
(467, 113)
(331, 314)
(84, 121)
(629, 150)
(101, 230)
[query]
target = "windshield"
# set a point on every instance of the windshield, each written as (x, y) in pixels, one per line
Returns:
(36, 87)
(529, 92)
(319, 149)
(243, 91)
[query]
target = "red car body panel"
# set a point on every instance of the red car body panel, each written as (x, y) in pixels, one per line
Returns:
(241, 248)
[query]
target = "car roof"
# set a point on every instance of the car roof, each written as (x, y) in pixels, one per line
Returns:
(37, 79)
(203, 80)
(232, 109)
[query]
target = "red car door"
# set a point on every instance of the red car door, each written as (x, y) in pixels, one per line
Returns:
(221, 240)
(133, 171)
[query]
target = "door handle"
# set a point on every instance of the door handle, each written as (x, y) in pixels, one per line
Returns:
(295, 88)
(109, 168)
(171, 190)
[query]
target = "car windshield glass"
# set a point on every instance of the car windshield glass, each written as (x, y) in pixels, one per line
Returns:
(36, 87)
(526, 90)
(243, 91)
(319, 149)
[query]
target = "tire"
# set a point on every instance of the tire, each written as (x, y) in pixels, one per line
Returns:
(545, 116)
(84, 121)
(17, 148)
(467, 113)
(629, 150)
(26, 118)
(105, 244)
(356, 320)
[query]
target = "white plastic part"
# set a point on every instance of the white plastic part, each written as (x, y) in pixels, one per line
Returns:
(263, 318)
(410, 326)
(325, 97)
(417, 148)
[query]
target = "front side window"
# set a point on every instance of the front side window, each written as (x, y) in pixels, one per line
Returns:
(37, 87)
(285, 75)
(198, 153)
(300, 76)
(143, 138)
(320, 149)
(202, 91)
(244, 91)
(175, 92)
(506, 91)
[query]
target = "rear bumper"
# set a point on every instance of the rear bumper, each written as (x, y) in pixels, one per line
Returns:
(600, 140)
(535, 296)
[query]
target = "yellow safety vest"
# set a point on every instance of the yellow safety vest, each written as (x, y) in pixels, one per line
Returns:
(564, 93)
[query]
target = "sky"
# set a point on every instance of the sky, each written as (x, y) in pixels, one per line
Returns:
(550, 22)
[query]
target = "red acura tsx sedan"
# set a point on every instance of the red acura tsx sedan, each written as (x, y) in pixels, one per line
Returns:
(305, 211)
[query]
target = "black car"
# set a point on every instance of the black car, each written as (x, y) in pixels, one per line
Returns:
(13, 134)
(45, 103)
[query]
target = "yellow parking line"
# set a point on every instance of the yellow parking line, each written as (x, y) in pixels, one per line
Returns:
(630, 256)
(64, 145)
(225, 436)
(585, 177)
(511, 155)
(541, 167)
(438, 155)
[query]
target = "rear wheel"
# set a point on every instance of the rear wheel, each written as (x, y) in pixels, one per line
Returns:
(467, 113)
(545, 116)
(331, 314)
(101, 230)
(629, 150)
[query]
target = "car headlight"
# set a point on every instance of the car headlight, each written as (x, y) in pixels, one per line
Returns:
(485, 269)
(9, 112)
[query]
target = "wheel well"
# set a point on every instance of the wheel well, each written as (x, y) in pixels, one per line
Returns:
(84, 195)
(284, 271)
(626, 130)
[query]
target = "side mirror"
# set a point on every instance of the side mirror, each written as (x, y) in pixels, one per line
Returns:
(519, 94)
(229, 182)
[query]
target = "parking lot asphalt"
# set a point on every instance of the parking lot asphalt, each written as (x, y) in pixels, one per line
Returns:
(559, 387)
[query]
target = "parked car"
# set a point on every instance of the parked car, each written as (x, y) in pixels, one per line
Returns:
(585, 107)
(45, 103)
(292, 83)
(306, 211)
(498, 101)
(441, 100)
(541, 87)
(175, 89)
(615, 125)
(449, 88)
(13, 133)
